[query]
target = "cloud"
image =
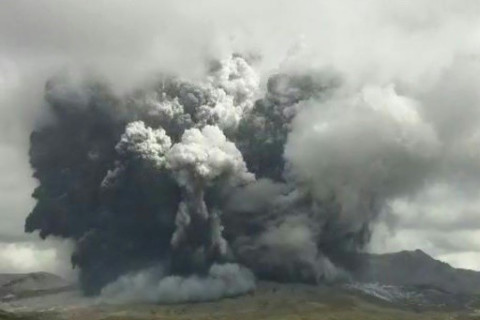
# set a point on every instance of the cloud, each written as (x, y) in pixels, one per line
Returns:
(51, 256)
(227, 280)
(442, 220)
(466, 260)
(428, 51)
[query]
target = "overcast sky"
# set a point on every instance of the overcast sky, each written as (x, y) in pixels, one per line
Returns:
(427, 49)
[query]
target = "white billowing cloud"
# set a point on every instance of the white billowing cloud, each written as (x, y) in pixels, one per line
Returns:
(365, 149)
(202, 156)
(234, 88)
(139, 142)
(144, 143)
(444, 218)
(166, 109)
(121, 40)
(419, 156)
(207, 154)
(224, 280)
(410, 40)
(23, 257)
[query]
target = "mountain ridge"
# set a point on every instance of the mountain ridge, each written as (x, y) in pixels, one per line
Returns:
(416, 268)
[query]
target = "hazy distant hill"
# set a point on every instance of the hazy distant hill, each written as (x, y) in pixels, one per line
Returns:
(416, 268)
(14, 285)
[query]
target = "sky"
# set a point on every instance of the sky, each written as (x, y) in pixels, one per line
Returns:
(427, 50)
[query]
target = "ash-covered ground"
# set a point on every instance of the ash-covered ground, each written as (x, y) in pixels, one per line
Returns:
(44, 296)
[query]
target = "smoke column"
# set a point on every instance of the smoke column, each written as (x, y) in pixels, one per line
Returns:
(196, 178)
(189, 187)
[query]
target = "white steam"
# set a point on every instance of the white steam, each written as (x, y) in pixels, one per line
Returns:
(145, 143)
(197, 160)
(150, 285)
(234, 87)
(206, 155)
(363, 150)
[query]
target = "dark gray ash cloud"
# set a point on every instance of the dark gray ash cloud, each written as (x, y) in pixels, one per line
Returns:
(273, 135)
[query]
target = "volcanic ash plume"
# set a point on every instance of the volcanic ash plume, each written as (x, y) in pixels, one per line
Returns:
(188, 190)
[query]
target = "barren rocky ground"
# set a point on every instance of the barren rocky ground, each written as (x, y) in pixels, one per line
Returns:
(393, 288)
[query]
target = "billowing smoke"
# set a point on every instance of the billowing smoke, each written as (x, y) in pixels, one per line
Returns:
(188, 189)
(152, 285)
